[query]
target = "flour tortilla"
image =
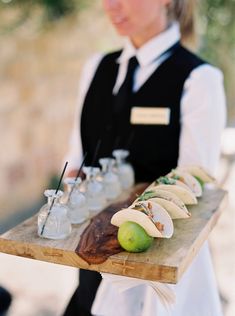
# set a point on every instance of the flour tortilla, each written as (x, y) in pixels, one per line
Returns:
(183, 185)
(173, 210)
(199, 172)
(187, 179)
(176, 182)
(169, 201)
(159, 215)
(185, 195)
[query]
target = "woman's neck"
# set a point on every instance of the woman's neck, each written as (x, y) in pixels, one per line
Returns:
(140, 39)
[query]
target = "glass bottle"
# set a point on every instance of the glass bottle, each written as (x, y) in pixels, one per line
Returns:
(53, 223)
(94, 190)
(111, 182)
(76, 201)
(124, 169)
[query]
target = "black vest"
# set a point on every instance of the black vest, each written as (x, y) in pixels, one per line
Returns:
(154, 149)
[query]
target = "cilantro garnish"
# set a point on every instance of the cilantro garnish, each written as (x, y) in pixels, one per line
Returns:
(165, 180)
(146, 195)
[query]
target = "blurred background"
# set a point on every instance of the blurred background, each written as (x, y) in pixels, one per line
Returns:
(43, 46)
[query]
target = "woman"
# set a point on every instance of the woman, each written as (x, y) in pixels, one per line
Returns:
(173, 103)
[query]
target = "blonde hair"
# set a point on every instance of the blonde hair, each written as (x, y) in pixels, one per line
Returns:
(184, 12)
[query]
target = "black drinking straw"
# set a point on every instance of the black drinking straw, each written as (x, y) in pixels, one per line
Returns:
(78, 173)
(52, 203)
(96, 152)
(82, 164)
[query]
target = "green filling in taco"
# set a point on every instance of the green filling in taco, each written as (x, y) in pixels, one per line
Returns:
(202, 183)
(165, 180)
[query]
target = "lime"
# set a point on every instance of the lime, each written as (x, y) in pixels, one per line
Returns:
(133, 238)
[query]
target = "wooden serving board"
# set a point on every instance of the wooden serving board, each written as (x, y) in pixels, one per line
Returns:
(165, 261)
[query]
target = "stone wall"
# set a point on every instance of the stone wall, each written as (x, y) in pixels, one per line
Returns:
(39, 75)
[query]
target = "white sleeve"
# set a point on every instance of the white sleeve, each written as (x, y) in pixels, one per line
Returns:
(75, 154)
(203, 118)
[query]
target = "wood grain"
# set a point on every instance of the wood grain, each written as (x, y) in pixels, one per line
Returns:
(165, 261)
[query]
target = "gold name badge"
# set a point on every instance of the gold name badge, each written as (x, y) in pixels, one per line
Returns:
(150, 116)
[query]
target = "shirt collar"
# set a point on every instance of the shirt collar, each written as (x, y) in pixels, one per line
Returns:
(153, 48)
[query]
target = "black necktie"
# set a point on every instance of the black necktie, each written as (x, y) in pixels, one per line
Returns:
(122, 104)
(123, 96)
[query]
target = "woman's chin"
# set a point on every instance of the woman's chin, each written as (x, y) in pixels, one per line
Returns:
(122, 29)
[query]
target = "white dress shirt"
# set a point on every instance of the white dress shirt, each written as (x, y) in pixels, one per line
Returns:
(203, 113)
(202, 118)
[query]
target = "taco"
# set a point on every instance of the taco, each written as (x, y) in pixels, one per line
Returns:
(151, 216)
(175, 186)
(199, 173)
(173, 210)
(168, 200)
(185, 195)
(170, 180)
(187, 179)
